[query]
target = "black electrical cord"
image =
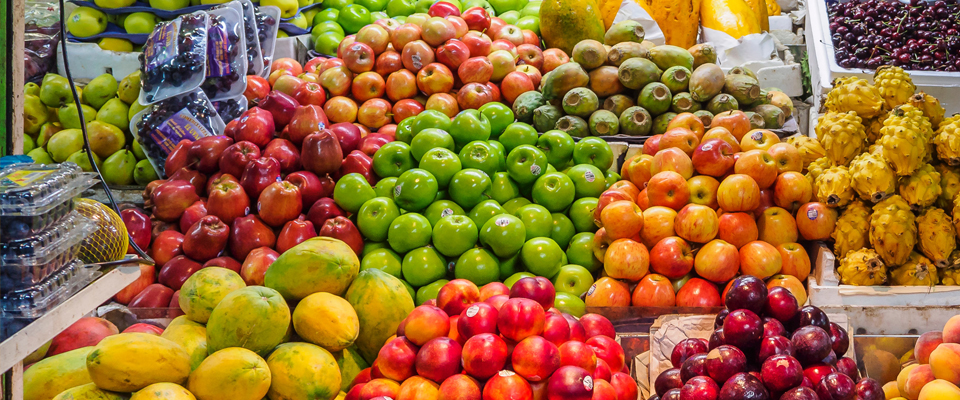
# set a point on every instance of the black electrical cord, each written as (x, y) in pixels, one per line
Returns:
(86, 139)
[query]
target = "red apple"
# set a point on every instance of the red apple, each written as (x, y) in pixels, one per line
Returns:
(167, 245)
(205, 239)
(285, 152)
(371, 143)
(178, 158)
(207, 151)
(257, 125)
(453, 53)
(295, 232)
(713, 157)
(224, 262)
(311, 187)
(478, 43)
(176, 271)
(279, 203)
(281, 106)
(672, 257)
(348, 135)
(511, 34)
(171, 198)
(698, 293)
(530, 55)
(196, 179)
(236, 157)
(437, 30)
(416, 55)
(259, 174)
(255, 265)
(435, 78)
(343, 229)
(147, 277)
(359, 57)
(306, 120)
(668, 189)
(248, 233)
(404, 34)
(387, 63)
(321, 153)
(473, 95)
(514, 84)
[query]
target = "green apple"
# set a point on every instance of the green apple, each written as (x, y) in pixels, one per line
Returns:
(554, 190)
(481, 155)
(415, 190)
(593, 151)
(469, 126)
(383, 259)
(531, 23)
(536, 219)
(542, 256)
(563, 230)
(392, 159)
(442, 163)
(573, 279)
(408, 232)
(144, 173)
(532, 9)
(327, 15)
(581, 213)
(570, 304)
(288, 8)
(424, 5)
(500, 116)
(580, 252)
(114, 112)
(518, 134)
(501, 153)
(427, 139)
(429, 292)
(526, 163)
(401, 7)
(64, 143)
(370, 246)
(86, 22)
(326, 43)
(588, 180)
(484, 211)
(337, 4)
(469, 187)
(455, 234)
(422, 266)
(31, 88)
(510, 265)
(611, 177)
(442, 208)
(384, 187)
(503, 6)
(516, 277)
(430, 119)
(351, 191)
(511, 207)
(373, 5)
(558, 146)
(510, 17)
(304, 3)
(40, 156)
(478, 266)
(118, 168)
(70, 118)
(503, 189)
(375, 216)
(140, 22)
(300, 21)
(503, 234)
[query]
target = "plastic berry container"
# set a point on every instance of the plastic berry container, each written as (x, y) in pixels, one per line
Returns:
(268, 23)
(251, 35)
(226, 53)
(174, 58)
(28, 261)
(22, 306)
(230, 109)
(34, 197)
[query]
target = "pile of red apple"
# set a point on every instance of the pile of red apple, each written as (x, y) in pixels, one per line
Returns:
(766, 347)
(498, 343)
(738, 195)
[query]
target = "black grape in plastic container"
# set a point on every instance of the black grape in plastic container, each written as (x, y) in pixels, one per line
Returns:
(226, 52)
(268, 23)
(251, 35)
(174, 58)
(34, 197)
(230, 109)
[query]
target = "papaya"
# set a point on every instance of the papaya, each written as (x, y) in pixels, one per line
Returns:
(733, 17)
(303, 371)
(381, 302)
(230, 374)
(132, 361)
(163, 391)
(52, 375)
(319, 264)
(255, 318)
(190, 335)
(759, 8)
(676, 18)
(350, 363)
(90, 391)
(608, 11)
(564, 23)
(204, 289)
(327, 321)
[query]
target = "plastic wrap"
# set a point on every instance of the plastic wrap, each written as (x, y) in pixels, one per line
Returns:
(40, 39)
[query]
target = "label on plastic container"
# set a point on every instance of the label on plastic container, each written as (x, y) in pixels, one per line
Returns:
(161, 46)
(182, 125)
(218, 51)
(23, 177)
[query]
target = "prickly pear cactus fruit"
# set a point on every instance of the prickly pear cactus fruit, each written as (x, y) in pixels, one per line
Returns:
(938, 238)
(862, 268)
(893, 230)
(930, 106)
(904, 140)
(922, 188)
(947, 141)
(809, 148)
(917, 271)
(833, 187)
(842, 135)
(852, 231)
(894, 84)
(872, 177)
(873, 125)
(857, 95)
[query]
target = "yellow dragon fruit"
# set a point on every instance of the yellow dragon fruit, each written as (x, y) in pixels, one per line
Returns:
(894, 84)
(922, 188)
(903, 139)
(930, 106)
(949, 277)
(855, 94)
(947, 141)
(893, 230)
(809, 148)
(872, 177)
(816, 168)
(842, 135)
(873, 126)
(862, 267)
(937, 235)
(956, 214)
(949, 185)
(916, 271)
(833, 187)
(852, 231)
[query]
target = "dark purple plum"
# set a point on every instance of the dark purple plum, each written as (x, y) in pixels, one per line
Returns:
(780, 373)
(696, 365)
(781, 304)
(811, 315)
(811, 344)
(848, 367)
(774, 345)
(743, 328)
(687, 348)
(773, 327)
(837, 387)
(672, 394)
(718, 322)
(746, 292)
(839, 338)
(716, 339)
(700, 388)
(725, 361)
(869, 389)
(669, 379)
(800, 393)
(743, 387)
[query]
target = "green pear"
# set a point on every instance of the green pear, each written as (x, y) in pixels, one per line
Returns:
(169, 5)
(114, 112)
(86, 22)
(28, 144)
(31, 88)
(40, 156)
(52, 115)
(80, 158)
(138, 150)
(55, 91)
(129, 88)
(144, 173)
(99, 90)
(113, 3)
(34, 114)
(118, 168)
(70, 118)
(65, 143)
(105, 139)
(47, 131)
(135, 107)
(140, 22)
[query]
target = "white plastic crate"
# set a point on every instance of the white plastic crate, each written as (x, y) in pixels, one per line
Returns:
(88, 61)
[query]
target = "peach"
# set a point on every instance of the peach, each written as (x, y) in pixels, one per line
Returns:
(603, 390)
(940, 390)
(607, 292)
(380, 387)
(457, 295)
(460, 387)
(902, 378)
(951, 331)
(397, 359)
(945, 362)
(425, 323)
(507, 385)
(890, 390)
(926, 344)
(578, 354)
(626, 259)
(916, 380)
(417, 388)
(659, 224)
(622, 219)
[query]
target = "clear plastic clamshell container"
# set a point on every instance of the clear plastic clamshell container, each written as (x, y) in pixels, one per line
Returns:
(34, 197)
(26, 262)
(18, 308)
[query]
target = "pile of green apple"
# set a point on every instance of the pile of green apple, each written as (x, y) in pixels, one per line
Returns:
(483, 198)
(88, 21)
(51, 125)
